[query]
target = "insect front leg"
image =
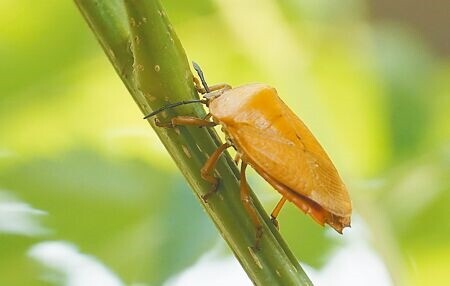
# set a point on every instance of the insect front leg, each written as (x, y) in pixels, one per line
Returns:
(249, 207)
(185, 120)
(208, 169)
(202, 90)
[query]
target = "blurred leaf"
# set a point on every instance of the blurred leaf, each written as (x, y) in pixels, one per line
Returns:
(105, 205)
(189, 12)
(439, 91)
(34, 48)
(429, 221)
(405, 66)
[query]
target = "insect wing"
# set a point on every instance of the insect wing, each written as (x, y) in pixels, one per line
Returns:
(289, 153)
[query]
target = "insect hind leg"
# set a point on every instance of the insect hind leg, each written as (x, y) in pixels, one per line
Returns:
(249, 207)
(276, 212)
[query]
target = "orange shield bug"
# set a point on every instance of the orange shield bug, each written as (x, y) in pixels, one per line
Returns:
(268, 136)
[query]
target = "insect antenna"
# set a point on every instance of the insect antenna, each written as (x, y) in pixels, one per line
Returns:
(172, 105)
(202, 77)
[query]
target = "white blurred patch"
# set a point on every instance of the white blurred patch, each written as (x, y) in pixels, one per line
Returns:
(17, 217)
(356, 263)
(6, 153)
(212, 269)
(76, 269)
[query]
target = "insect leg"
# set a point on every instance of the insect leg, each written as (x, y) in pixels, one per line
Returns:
(248, 205)
(220, 86)
(185, 120)
(208, 169)
(198, 86)
(237, 158)
(306, 205)
(216, 87)
(276, 211)
(207, 116)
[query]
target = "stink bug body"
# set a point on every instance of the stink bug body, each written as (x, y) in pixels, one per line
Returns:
(268, 136)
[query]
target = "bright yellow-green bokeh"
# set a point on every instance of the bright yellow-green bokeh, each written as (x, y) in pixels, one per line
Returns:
(74, 149)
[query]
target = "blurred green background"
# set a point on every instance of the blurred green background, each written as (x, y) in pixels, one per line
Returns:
(79, 168)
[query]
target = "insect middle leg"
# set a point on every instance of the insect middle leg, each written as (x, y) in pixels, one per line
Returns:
(208, 169)
(209, 166)
(248, 205)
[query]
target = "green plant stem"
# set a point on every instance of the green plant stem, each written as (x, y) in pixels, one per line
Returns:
(156, 72)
